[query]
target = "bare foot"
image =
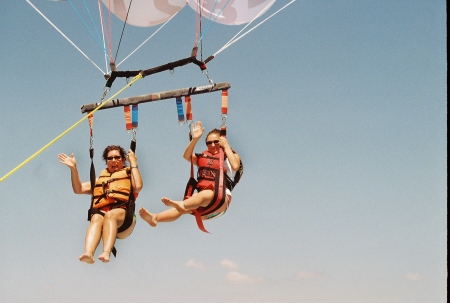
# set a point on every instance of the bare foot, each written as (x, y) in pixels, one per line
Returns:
(104, 257)
(175, 204)
(89, 259)
(148, 217)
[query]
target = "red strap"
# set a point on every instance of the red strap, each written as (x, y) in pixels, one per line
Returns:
(224, 102)
(221, 176)
(187, 101)
(218, 190)
(198, 218)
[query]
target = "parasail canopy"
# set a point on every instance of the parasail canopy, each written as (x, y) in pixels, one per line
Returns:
(232, 12)
(144, 12)
(152, 12)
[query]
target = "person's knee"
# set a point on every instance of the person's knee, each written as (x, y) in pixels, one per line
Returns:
(96, 219)
(110, 215)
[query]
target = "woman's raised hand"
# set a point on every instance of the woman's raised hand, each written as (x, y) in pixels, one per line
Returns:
(66, 160)
(197, 130)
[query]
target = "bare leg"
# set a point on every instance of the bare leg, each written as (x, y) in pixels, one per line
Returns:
(92, 239)
(168, 215)
(202, 198)
(113, 219)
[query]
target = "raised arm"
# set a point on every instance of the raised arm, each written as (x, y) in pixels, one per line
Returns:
(136, 179)
(77, 186)
(234, 158)
(196, 132)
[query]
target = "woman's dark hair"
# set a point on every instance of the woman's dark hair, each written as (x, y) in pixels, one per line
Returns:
(122, 152)
(214, 131)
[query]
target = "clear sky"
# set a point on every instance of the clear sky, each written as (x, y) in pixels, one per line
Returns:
(337, 108)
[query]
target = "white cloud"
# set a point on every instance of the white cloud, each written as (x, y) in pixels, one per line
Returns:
(195, 264)
(48, 288)
(310, 275)
(237, 277)
(413, 276)
(229, 264)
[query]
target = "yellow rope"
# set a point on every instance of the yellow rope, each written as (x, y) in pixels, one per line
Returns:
(68, 130)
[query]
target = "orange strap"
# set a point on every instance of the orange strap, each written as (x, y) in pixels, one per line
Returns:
(91, 122)
(224, 102)
(187, 101)
(127, 112)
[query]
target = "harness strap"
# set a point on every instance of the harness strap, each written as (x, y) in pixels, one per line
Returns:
(91, 155)
(126, 110)
(218, 199)
(134, 116)
(180, 111)
(198, 219)
(219, 190)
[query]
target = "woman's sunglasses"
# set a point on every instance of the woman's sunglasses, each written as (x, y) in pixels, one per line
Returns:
(211, 142)
(117, 158)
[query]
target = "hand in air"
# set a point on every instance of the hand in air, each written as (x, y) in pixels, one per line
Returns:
(197, 130)
(131, 157)
(66, 160)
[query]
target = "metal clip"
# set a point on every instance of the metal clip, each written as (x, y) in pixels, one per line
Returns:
(205, 72)
(105, 91)
(224, 120)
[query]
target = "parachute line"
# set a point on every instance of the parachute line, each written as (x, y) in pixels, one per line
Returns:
(92, 20)
(209, 24)
(146, 40)
(103, 34)
(59, 31)
(86, 25)
(235, 38)
(123, 29)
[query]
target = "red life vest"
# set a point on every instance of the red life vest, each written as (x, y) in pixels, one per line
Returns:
(208, 168)
(209, 177)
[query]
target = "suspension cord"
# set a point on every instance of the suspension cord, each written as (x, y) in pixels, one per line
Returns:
(123, 29)
(235, 38)
(103, 35)
(151, 36)
(59, 31)
(96, 37)
(210, 23)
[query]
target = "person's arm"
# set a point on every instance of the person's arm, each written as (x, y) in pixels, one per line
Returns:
(77, 186)
(197, 132)
(136, 179)
(233, 158)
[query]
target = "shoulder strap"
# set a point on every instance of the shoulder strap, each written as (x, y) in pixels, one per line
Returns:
(92, 180)
(218, 198)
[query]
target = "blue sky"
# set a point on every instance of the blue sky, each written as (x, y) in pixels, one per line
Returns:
(337, 108)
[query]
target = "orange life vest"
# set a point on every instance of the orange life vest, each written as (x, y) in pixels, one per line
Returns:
(112, 187)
